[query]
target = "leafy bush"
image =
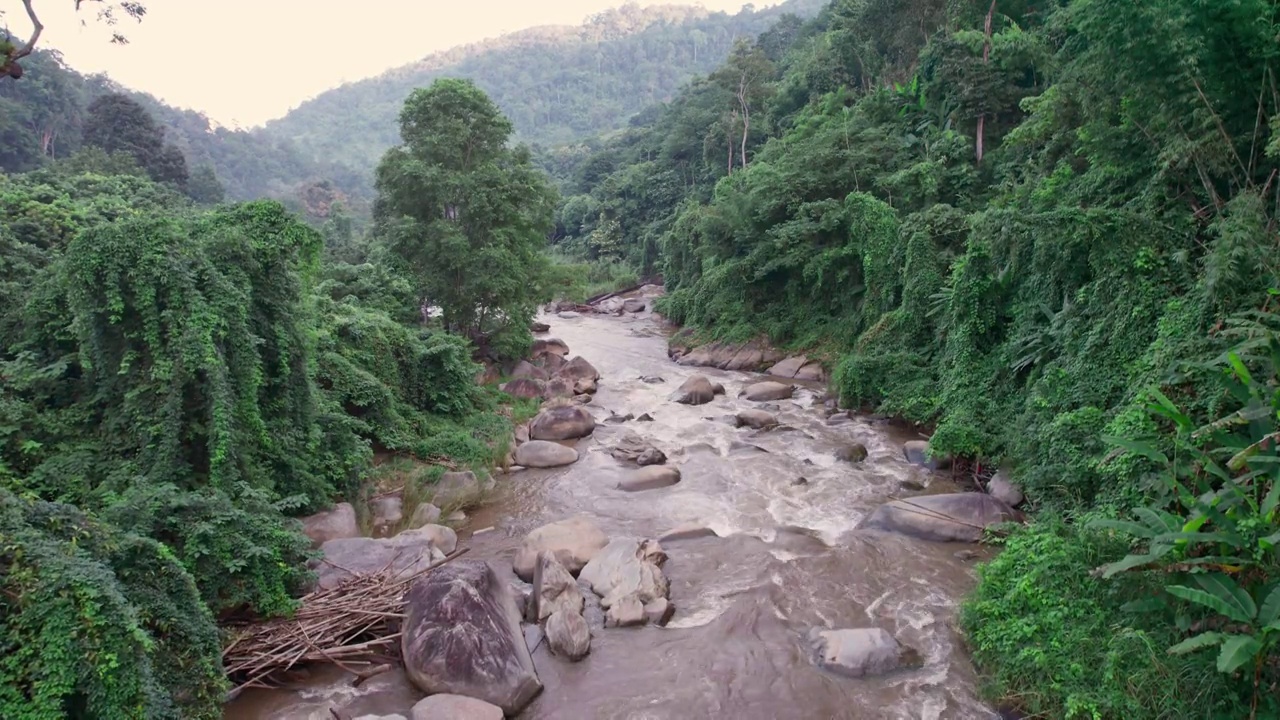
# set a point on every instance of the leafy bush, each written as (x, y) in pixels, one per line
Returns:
(1058, 642)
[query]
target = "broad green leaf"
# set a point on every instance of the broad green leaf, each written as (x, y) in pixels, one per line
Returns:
(1229, 590)
(1128, 563)
(1199, 537)
(1270, 610)
(1203, 640)
(1271, 502)
(1271, 541)
(1237, 650)
(1158, 521)
(1209, 600)
(1239, 460)
(1125, 526)
(1137, 447)
(1171, 411)
(1237, 365)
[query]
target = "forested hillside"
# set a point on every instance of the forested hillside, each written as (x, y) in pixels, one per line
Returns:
(42, 118)
(1047, 232)
(556, 83)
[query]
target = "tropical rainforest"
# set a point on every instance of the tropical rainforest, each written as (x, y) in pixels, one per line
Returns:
(1044, 231)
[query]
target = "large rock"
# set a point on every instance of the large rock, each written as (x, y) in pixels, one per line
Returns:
(539, 327)
(957, 517)
(548, 346)
(858, 652)
(635, 305)
(789, 367)
(633, 448)
(728, 356)
(545, 454)
(424, 514)
(527, 369)
(916, 452)
(568, 635)
(573, 542)
(568, 315)
(524, 388)
(444, 706)
(456, 489)
(558, 388)
(697, 390)
(1005, 490)
(585, 386)
(387, 511)
(812, 372)
(626, 612)
(554, 589)
(579, 369)
(335, 524)
(627, 567)
(651, 477)
(462, 636)
(566, 422)
(852, 453)
(406, 554)
(758, 419)
(767, 391)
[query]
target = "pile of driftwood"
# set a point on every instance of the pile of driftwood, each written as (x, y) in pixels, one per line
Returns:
(355, 625)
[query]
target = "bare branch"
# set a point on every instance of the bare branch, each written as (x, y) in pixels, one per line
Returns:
(35, 34)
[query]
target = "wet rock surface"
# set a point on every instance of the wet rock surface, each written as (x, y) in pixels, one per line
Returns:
(955, 517)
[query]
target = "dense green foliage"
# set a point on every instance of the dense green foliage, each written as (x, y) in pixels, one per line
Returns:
(178, 382)
(1008, 222)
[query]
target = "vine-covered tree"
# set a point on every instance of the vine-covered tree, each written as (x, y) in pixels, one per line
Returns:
(466, 213)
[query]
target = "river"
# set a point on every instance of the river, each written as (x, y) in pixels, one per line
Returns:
(785, 561)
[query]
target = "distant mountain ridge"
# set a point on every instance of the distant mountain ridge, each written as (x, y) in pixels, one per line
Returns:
(557, 84)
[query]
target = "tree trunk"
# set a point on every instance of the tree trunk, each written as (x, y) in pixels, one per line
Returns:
(746, 120)
(986, 58)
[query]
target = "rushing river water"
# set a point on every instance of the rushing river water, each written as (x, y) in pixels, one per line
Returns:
(785, 561)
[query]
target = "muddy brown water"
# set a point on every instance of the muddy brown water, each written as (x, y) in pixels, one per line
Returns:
(785, 561)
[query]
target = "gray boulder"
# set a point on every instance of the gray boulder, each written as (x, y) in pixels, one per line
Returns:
(548, 346)
(956, 517)
(573, 542)
(579, 369)
(526, 388)
(916, 452)
(627, 567)
(651, 456)
(634, 305)
(811, 372)
(462, 636)
(424, 514)
(633, 448)
(566, 422)
(767, 391)
(406, 554)
(554, 589)
(628, 611)
(457, 488)
(387, 511)
(758, 419)
(853, 453)
(526, 369)
(1002, 488)
(545, 454)
(697, 390)
(789, 367)
(568, 315)
(444, 706)
(858, 652)
(659, 612)
(336, 524)
(558, 387)
(649, 478)
(568, 635)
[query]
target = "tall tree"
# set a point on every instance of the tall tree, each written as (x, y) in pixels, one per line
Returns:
(466, 213)
(117, 123)
(747, 74)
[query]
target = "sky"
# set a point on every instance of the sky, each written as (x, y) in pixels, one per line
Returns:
(243, 62)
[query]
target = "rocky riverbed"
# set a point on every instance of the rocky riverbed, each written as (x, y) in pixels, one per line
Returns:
(680, 541)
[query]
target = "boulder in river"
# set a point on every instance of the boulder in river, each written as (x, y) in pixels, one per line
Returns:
(568, 635)
(462, 636)
(579, 369)
(539, 327)
(526, 369)
(767, 391)
(568, 315)
(424, 514)
(565, 422)
(955, 517)
(558, 388)
(852, 453)
(335, 524)
(405, 554)
(554, 589)
(548, 346)
(658, 612)
(626, 612)
(633, 448)
(789, 367)
(585, 386)
(916, 452)
(758, 419)
(545, 454)
(457, 488)
(525, 388)
(651, 477)
(812, 372)
(1005, 490)
(573, 541)
(634, 305)
(550, 362)
(627, 566)
(697, 390)
(444, 706)
(859, 652)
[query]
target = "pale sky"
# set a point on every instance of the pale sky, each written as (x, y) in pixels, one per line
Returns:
(243, 62)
